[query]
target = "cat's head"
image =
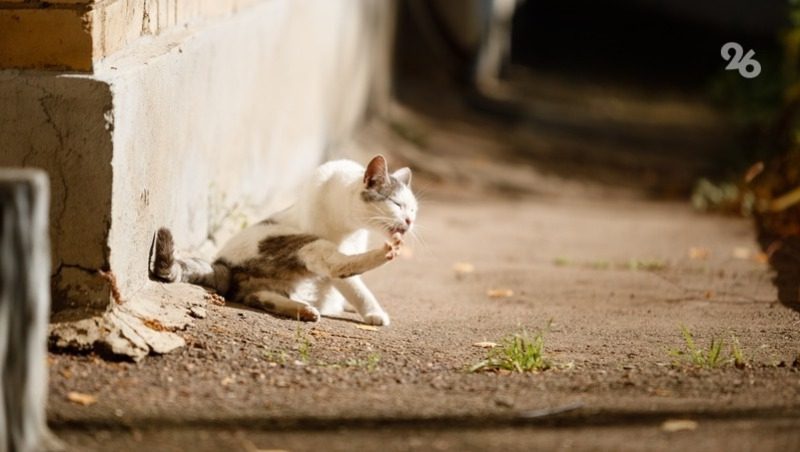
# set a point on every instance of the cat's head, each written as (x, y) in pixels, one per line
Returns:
(389, 204)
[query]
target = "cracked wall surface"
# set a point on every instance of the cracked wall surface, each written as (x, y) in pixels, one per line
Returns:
(58, 123)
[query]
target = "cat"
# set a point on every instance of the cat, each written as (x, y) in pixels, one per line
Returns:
(305, 261)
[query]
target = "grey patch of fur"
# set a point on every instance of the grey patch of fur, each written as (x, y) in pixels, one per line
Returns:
(276, 268)
(192, 270)
(382, 191)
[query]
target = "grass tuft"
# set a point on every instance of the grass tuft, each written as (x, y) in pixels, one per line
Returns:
(709, 358)
(520, 352)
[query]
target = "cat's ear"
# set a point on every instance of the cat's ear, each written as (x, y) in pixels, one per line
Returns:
(376, 173)
(403, 175)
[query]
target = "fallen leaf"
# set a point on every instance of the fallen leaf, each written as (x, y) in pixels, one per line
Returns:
(709, 294)
(154, 324)
(677, 425)
(66, 373)
(367, 327)
(485, 344)
(500, 293)
(761, 258)
(741, 252)
(81, 398)
(226, 381)
(753, 171)
(699, 253)
(462, 268)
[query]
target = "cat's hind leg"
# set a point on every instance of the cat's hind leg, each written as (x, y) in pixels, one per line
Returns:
(278, 304)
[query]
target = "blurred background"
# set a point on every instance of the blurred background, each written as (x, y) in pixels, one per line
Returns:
(630, 94)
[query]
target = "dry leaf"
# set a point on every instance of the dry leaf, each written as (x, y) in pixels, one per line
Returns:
(367, 327)
(677, 425)
(741, 252)
(761, 258)
(226, 381)
(485, 344)
(462, 268)
(500, 293)
(81, 398)
(709, 294)
(753, 171)
(699, 253)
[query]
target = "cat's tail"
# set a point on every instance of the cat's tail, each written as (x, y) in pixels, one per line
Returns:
(168, 268)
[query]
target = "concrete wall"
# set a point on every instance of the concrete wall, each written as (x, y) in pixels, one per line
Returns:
(189, 126)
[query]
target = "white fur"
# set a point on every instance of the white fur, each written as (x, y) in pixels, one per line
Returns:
(330, 206)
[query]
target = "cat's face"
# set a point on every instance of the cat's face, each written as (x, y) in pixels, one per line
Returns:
(388, 201)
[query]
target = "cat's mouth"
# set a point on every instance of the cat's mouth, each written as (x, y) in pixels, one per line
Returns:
(397, 230)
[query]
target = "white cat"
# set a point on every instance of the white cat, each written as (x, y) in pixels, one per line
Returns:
(304, 261)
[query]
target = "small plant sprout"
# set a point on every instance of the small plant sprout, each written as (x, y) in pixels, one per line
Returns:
(304, 346)
(370, 363)
(520, 352)
(737, 355)
(709, 358)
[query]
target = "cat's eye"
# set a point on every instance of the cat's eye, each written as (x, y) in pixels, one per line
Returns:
(395, 203)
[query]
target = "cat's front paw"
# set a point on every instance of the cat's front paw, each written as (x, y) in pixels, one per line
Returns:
(392, 247)
(377, 318)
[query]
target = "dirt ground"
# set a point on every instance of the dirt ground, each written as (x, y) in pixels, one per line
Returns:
(570, 263)
(608, 273)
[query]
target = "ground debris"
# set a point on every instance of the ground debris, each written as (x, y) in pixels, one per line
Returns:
(197, 312)
(81, 398)
(214, 298)
(485, 344)
(367, 327)
(699, 253)
(112, 283)
(678, 425)
(500, 293)
(741, 252)
(463, 268)
(154, 324)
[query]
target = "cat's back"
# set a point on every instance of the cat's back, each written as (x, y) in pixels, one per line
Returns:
(338, 172)
(248, 243)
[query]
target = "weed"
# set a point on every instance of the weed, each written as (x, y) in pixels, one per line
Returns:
(646, 265)
(277, 357)
(304, 346)
(712, 357)
(370, 364)
(739, 360)
(520, 352)
(561, 262)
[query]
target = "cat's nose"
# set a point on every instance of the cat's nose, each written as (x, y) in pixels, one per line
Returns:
(408, 221)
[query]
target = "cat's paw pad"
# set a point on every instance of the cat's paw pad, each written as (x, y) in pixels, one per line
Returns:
(392, 247)
(308, 314)
(377, 318)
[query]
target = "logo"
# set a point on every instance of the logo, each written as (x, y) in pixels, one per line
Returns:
(746, 65)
